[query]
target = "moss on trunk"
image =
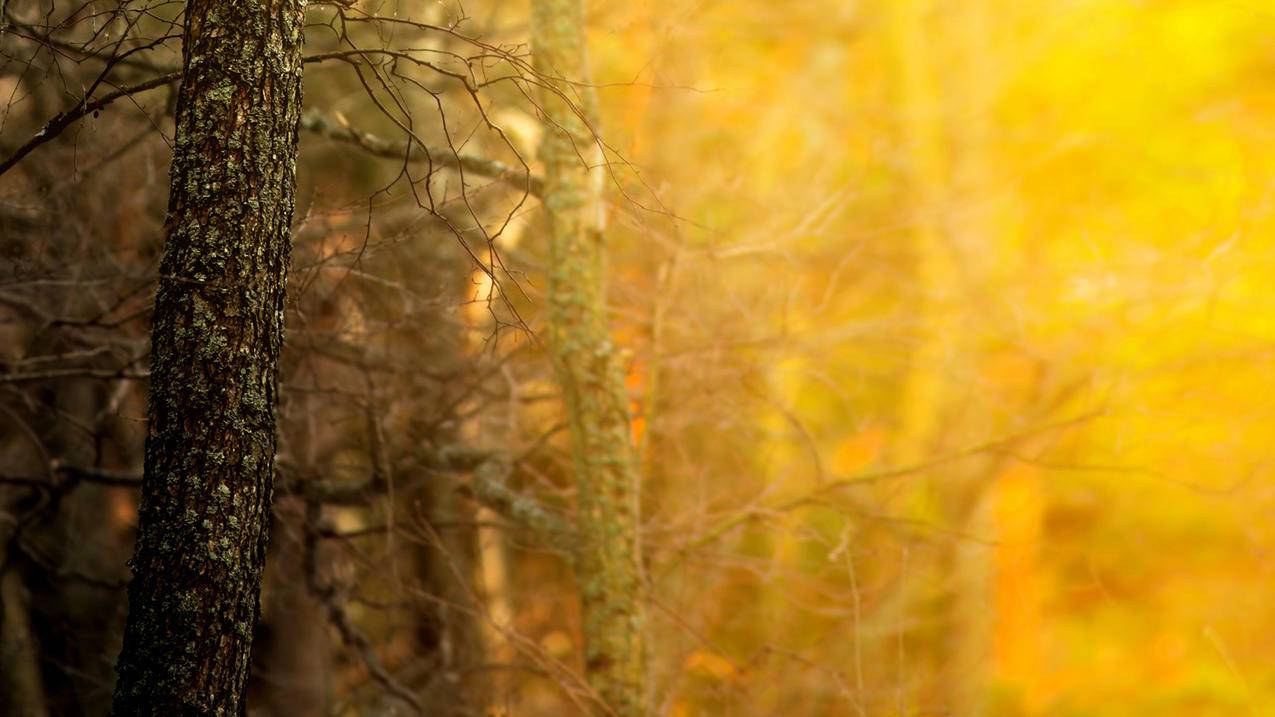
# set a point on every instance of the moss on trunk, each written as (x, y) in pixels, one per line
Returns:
(608, 564)
(216, 336)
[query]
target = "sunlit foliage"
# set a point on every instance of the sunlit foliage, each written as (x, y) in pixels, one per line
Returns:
(1095, 178)
(947, 333)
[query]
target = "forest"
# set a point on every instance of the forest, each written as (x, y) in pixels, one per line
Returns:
(482, 358)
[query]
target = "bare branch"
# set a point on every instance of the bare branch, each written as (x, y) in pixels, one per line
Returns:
(72, 373)
(63, 120)
(324, 125)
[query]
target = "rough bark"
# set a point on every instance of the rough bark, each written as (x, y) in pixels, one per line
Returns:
(608, 566)
(217, 331)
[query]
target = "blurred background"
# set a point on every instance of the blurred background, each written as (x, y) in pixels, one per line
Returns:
(949, 331)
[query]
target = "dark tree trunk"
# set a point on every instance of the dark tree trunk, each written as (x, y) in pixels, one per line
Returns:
(217, 330)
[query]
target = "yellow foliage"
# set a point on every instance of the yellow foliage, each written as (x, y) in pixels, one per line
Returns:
(710, 665)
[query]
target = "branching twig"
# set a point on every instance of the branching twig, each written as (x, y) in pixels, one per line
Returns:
(63, 120)
(324, 125)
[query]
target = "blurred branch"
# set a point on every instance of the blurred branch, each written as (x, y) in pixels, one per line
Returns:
(33, 33)
(324, 125)
(329, 594)
(100, 476)
(487, 486)
(361, 492)
(72, 373)
(818, 492)
(313, 121)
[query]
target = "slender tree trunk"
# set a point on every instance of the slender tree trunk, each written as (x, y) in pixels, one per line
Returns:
(947, 136)
(218, 326)
(608, 565)
(937, 276)
(21, 686)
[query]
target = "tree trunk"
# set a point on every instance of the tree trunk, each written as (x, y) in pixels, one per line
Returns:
(21, 686)
(608, 564)
(947, 142)
(218, 326)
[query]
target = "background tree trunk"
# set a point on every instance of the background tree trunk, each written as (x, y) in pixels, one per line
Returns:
(947, 399)
(21, 688)
(217, 331)
(608, 564)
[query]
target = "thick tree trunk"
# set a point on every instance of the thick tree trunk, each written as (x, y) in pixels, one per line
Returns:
(218, 326)
(608, 565)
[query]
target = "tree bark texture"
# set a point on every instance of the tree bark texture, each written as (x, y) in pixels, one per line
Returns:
(216, 335)
(608, 563)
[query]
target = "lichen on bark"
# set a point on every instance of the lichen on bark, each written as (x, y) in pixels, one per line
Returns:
(216, 336)
(587, 364)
